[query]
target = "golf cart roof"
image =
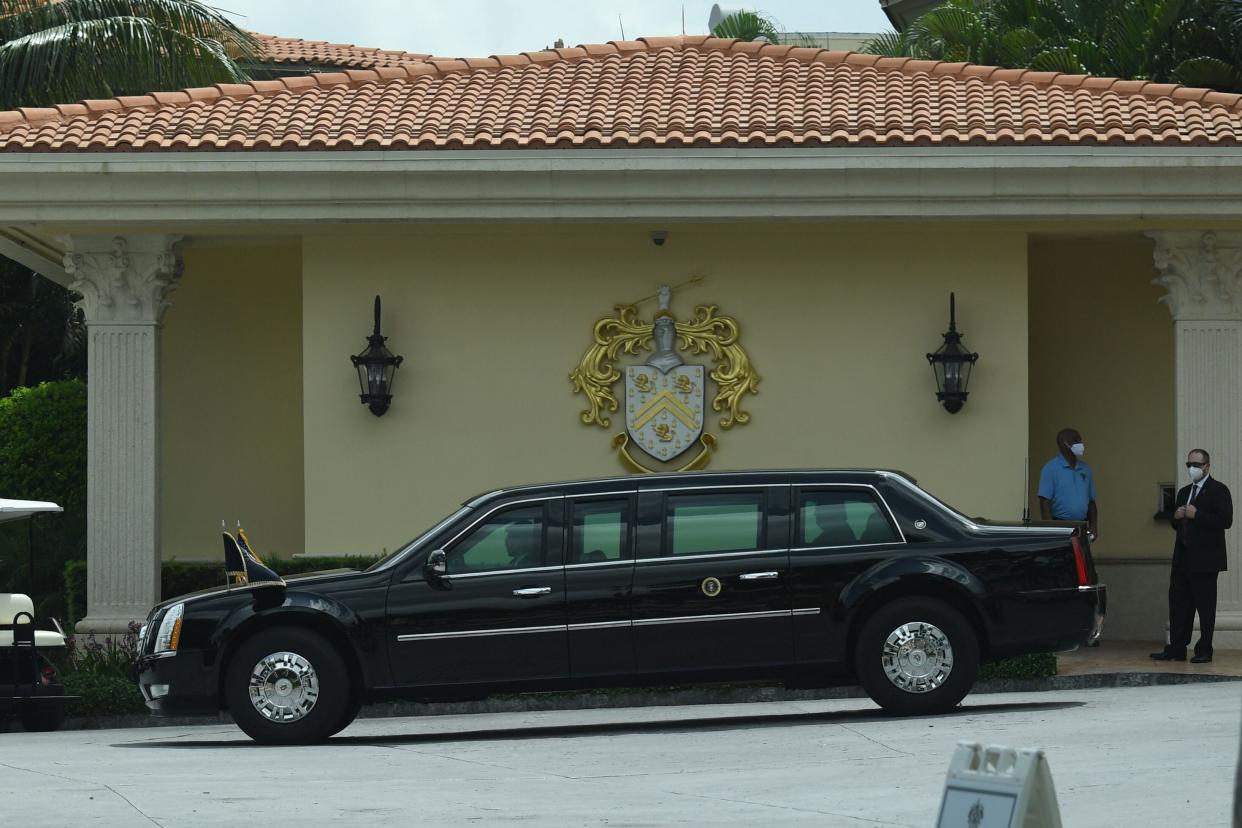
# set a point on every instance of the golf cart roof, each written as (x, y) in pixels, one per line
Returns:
(18, 509)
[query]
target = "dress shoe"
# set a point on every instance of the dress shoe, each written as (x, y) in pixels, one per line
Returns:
(1167, 655)
(1201, 659)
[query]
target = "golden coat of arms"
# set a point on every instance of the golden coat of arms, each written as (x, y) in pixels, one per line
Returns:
(665, 397)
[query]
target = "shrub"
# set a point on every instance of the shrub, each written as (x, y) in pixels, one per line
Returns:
(1037, 665)
(100, 670)
(43, 457)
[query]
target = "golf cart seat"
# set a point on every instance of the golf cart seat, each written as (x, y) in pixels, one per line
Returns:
(11, 605)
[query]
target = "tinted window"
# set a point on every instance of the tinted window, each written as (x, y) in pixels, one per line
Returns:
(601, 531)
(843, 519)
(701, 524)
(509, 539)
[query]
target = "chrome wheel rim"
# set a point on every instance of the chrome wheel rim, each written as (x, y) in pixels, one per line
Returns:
(284, 687)
(917, 657)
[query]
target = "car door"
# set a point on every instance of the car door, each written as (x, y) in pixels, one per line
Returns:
(498, 613)
(599, 574)
(838, 532)
(711, 583)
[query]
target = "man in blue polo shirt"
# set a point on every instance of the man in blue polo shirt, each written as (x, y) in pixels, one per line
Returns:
(1066, 485)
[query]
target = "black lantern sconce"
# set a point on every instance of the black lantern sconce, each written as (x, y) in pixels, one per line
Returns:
(376, 368)
(952, 364)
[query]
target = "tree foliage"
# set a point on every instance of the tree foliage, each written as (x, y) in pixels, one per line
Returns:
(1194, 42)
(59, 51)
(43, 457)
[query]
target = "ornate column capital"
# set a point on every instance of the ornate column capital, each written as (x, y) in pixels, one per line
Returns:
(1202, 272)
(123, 279)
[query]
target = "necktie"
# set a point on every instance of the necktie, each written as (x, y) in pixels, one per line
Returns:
(1194, 491)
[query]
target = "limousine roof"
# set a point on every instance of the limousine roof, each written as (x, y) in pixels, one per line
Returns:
(666, 479)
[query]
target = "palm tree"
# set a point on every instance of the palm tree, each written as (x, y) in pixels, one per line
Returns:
(1196, 42)
(58, 51)
(748, 25)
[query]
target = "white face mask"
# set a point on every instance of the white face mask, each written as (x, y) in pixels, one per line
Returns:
(1078, 449)
(1196, 474)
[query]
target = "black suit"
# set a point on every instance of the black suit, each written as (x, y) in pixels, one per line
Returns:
(1198, 558)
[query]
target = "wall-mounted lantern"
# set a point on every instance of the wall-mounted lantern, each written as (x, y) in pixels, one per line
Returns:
(376, 368)
(952, 364)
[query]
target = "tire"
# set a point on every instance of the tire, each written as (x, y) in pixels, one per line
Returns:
(916, 656)
(301, 691)
(42, 717)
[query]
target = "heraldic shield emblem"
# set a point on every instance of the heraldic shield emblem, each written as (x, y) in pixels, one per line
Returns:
(665, 397)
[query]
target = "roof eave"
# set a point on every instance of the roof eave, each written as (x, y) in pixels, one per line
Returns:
(690, 185)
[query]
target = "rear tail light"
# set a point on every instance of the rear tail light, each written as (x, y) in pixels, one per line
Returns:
(49, 674)
(1080, 561)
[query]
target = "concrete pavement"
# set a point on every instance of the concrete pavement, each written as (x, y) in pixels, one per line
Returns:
(1150, 756)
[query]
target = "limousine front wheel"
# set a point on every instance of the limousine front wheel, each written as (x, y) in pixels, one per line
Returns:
(287, 686)
(917, 655)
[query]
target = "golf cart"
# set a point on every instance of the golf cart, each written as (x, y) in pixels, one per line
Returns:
(29, 684)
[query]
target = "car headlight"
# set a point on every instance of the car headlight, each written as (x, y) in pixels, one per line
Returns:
(169, 636)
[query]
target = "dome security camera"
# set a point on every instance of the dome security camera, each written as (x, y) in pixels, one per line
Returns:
(658, 237)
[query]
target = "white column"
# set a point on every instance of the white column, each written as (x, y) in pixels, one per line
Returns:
(1202, 272)
(124, 282)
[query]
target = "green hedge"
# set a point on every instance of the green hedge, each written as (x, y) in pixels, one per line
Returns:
(181, 577)
(43, 457)
(1038, 665)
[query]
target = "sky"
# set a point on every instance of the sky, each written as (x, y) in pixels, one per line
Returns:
(477, 28)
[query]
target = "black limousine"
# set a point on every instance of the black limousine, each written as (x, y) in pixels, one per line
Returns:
(808, 577)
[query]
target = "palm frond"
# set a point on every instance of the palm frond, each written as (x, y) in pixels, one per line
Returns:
(104, 58)
(747, 25)
(1060, 59)
(1209, 72)
(888, 44)
(24, 17)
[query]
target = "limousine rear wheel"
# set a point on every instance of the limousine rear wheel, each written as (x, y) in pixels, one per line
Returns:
(917, 655)
(287, 686)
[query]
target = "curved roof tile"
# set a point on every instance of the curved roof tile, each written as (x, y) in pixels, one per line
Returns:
(659, 92)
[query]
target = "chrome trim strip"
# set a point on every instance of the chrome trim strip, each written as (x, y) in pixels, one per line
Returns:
(1092, 588)
(805, 611)
(600, 625)
(465, 575)
(599, 564)
(724, 616)
(844, 546)
(758, 576)
(756, 486)
(478, 633)
(667, 558)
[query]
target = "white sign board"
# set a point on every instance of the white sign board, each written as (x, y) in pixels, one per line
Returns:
(998, 787)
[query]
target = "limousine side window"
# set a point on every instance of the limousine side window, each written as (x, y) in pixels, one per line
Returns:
(601, 531)
(703, 524)
(510, 539)
(842, 518)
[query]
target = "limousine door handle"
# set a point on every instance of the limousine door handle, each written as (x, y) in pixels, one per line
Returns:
(759, 576)
(531, 592)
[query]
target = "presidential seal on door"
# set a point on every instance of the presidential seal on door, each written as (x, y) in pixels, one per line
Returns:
(666, 396)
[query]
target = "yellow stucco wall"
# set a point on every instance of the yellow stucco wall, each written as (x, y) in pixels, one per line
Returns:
(1102, 362)
(491, 320)
(231, 400)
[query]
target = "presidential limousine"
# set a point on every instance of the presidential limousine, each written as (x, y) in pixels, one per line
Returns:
(812, 578)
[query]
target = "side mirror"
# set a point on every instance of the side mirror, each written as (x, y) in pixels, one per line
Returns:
(437, 564)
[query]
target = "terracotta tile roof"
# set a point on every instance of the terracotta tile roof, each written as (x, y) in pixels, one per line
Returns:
(656, 92)
(298, 52)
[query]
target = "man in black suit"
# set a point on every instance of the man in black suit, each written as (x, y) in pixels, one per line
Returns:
(1204, 512)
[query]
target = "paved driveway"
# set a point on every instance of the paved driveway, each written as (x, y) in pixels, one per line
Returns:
(1151, 756)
